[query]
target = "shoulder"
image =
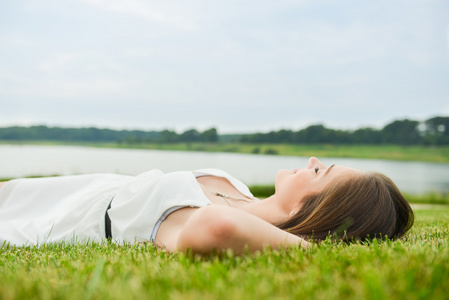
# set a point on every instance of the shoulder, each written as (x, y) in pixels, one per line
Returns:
(217, 227)
(208, 223)
(210, 228)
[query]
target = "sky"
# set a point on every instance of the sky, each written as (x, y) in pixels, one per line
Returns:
(238, 66)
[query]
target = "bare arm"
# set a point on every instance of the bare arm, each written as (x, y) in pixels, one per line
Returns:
(220, 228)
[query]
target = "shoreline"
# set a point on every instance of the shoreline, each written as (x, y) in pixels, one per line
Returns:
(431, 154)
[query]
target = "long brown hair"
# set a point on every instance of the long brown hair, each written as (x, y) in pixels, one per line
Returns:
(362, 206)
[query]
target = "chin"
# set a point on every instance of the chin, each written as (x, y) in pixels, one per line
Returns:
(280, 176)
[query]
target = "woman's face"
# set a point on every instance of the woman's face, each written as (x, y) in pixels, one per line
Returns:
(294, 185)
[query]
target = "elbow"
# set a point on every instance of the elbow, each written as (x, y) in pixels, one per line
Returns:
(207, 230)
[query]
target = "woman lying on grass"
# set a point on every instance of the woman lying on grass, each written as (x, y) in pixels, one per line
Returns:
(204, 210)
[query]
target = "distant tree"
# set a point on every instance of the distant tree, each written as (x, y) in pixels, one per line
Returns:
(318, 134)
(314, 134)
(403, 132)
(168, 136)
(191, 135)
(367, 136)
(284, 136)
(254, 138)
(436, 131)
(209, 136)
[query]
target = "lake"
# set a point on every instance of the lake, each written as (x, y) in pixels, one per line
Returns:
(19, 161)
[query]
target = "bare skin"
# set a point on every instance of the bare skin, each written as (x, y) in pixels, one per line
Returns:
(220, 226)
(245, 224)
(170, 229)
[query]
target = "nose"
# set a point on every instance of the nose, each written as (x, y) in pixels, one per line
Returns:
(315, 162)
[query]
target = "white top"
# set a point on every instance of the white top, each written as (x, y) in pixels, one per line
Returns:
(72, 208)
(141, 203)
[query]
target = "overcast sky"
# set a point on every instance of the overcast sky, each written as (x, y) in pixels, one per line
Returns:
(240, 66)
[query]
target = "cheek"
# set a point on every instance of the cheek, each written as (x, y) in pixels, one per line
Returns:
(306, 184)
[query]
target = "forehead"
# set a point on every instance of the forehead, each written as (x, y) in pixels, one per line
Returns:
(339, 170)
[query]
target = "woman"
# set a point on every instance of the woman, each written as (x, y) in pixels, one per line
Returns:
(205, 210)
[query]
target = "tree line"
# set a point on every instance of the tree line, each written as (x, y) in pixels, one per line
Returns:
(434, 131)
(93, 134)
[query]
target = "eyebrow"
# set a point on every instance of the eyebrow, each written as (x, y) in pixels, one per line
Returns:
(327, 171)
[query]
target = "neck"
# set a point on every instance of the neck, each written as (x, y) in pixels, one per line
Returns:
(267, 210)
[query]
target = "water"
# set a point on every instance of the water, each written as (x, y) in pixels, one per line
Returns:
(18, 161)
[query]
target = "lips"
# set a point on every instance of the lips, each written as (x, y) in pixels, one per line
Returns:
(295, 170)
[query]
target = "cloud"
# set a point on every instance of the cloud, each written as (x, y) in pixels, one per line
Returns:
(447, 43)
(172, 13)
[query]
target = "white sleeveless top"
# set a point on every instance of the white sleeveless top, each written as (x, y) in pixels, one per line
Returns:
(141, 205)
(72, 208)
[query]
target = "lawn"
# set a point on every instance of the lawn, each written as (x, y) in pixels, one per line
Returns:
(416, 267)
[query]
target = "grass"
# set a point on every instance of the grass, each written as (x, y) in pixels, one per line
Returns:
(438, 154)
(416, 267)
(431, 198)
